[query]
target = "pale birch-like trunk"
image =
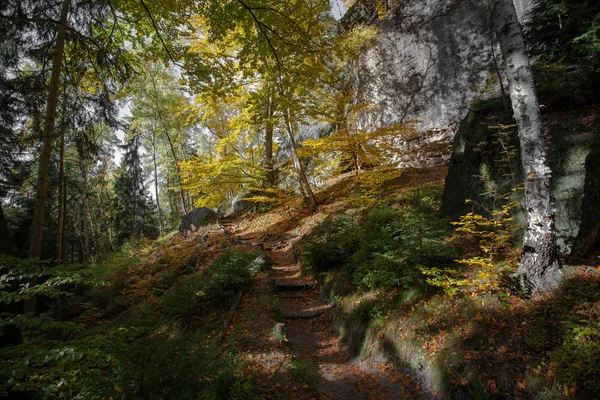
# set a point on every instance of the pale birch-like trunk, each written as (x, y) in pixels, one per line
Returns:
(177, 173)
(169, 194)
(268, 163)
(540, 269)
(298, 164)
(39, 210)
(160, 223)
(159, 116)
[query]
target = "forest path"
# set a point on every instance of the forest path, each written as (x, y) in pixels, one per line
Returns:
(309, 361)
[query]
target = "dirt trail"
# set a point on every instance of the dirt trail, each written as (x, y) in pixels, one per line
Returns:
(342, 375)
(309, 362)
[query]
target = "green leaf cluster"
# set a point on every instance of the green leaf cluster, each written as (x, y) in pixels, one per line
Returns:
(226, 276)
(386, 246)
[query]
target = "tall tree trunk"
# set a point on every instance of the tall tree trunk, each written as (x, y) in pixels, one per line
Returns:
(61, 197)
(177, 173)
(170, 195)
(84, 212)
(540, 268)
(39, 209)
(5, 242)
(269, 127)
(72, 239)
(160, 223)
(107, 224)
(159, 115)
(94, 232)
(82, 244)
(61, 209)
(65, 227)
(35, 248)
(62, 228)
(298, 164)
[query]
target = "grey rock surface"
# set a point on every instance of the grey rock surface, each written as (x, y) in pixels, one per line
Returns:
(260, 264)
(241, 202)
(430, 61)
(588, 237)
(477, 167)
(196, 218)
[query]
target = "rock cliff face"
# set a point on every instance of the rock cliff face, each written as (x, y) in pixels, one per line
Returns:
(431, 60)
(479, 166)
(437, 62)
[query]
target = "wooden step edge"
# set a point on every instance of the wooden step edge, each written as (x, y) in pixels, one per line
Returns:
(292, 295)
(228, 318)
(303, 314)
(282, 287)
(276, 267)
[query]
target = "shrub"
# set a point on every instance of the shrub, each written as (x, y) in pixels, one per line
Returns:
(144, 358)
(229, 275)
(187, 297)
(401, 240)
(578, 362)
(331, 244)
(388, 245)
(39, 363)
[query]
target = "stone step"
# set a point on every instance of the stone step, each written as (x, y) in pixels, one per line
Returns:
(285, 269)
(303, 314)
(283, 285)
(292, 295)
(252, 238)
(276, 246)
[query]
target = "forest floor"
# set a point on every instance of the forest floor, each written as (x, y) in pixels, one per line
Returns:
(306, 360)
(302, 333)
(303, 357)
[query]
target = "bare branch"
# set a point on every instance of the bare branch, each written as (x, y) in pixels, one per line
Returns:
(159, 35)
(260, 26)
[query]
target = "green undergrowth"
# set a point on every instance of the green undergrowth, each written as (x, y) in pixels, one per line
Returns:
(469, 333)
(386, 246)
(141, 324)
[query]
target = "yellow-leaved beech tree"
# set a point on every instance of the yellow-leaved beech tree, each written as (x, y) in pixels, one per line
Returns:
(276, 52)
(353, 144)
(261, 72)
(229, 158)
(356, 147)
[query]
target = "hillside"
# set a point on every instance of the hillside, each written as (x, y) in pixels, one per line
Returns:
(302, 328)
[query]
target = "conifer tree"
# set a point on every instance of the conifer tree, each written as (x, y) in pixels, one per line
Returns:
(135, 212)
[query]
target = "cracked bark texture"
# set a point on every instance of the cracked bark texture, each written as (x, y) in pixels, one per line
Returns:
(39, 209)
(540, 269)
